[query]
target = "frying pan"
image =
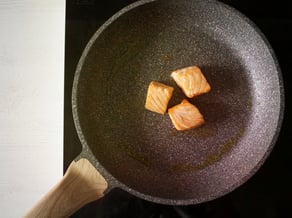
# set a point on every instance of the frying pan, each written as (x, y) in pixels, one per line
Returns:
(128, 147)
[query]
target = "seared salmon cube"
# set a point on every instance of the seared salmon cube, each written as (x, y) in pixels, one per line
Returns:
(158, 96)
(191, 80)
(185, 116)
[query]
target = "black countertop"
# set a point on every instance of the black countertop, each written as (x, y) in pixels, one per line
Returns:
(267, 194)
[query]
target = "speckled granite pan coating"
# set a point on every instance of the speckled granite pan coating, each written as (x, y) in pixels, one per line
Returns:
(141, 151)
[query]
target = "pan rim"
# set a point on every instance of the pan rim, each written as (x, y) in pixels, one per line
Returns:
(110, 178)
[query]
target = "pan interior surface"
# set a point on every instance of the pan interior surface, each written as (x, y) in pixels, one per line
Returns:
(142, 149)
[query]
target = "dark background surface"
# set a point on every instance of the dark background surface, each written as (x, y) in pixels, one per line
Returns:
(268, 194)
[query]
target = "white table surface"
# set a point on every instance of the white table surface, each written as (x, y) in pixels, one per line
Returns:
(31, 101)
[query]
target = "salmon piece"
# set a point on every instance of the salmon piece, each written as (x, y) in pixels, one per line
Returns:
(191, 80)
(185, 116)
(158, 96)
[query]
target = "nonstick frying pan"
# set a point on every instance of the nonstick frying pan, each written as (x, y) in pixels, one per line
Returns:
(140, 151)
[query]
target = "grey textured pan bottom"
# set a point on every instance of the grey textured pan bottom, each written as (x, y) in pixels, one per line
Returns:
(140, 151)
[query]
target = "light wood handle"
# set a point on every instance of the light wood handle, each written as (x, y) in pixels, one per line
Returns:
(81, 184)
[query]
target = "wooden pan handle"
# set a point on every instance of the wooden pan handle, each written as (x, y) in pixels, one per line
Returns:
(81, 184)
